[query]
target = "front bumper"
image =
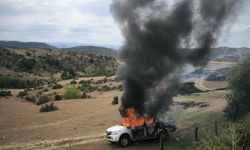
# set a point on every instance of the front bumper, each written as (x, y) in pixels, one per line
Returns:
(112, 138)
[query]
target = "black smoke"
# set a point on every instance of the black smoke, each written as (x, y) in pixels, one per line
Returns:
(160, 39)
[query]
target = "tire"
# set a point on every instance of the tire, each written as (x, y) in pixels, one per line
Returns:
(124, 140)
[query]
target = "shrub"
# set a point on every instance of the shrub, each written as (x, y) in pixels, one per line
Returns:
(57, 86)
(238, 98)
(42, 100)
(115, 100)
(71, 92)
(48, 108)
(58, 97)
(101, 81)
(120, 87)
(5, 93)
(28, 54)
(105, 88)
(84, 82)
(84, 95)
(31, 99)
(27, 89)
(45, 90)
(86, 86)
(22, 93)
(73, 82)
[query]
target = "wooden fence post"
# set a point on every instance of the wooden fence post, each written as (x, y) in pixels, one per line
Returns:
(162, 144)
(216, 128)
(196, 134)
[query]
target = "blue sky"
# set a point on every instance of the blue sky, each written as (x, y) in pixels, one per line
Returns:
(85, 21)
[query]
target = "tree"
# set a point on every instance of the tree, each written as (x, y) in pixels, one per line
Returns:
(238, 97)
(27, 64)
(68, 74)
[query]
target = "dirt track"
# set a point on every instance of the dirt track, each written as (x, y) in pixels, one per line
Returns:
(209, 85)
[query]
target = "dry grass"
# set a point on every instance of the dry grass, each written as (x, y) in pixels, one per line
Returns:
(81, 124)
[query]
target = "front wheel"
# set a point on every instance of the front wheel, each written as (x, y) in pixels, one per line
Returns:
(125, 140)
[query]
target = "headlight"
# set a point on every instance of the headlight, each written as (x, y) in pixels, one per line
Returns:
(115, 132)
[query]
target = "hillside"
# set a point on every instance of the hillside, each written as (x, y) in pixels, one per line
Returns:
(93, 50)
(42, 63)
(34, 45)
(72, 126)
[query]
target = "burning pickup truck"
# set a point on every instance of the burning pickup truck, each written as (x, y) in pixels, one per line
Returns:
(134, 128)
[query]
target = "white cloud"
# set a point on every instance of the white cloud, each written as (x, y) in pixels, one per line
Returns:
(83, 21)
(58, 20)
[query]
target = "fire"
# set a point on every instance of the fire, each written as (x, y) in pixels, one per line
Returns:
(133, 121)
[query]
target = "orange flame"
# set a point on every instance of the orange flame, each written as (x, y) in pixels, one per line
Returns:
(133, 121)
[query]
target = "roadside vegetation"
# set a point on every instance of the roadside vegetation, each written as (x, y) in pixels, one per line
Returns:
(235, 136)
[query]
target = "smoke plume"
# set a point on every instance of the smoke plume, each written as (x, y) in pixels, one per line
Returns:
(161, 37)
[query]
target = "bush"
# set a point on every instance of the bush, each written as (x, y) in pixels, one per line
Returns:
(31, 99)
(120, 87)
(28, 54)
(48, 108)
(101, 81)
(84, 95)
(73, 82)
(58, 97)
(22, 94)
(71, 92)
(45, 90)
(42, 100)
(5, 93)
(86, 86)
(238, 98)
(105, 88)
(115, 100)
(57, 86)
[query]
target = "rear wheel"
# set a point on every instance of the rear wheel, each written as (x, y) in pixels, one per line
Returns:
(124, 140)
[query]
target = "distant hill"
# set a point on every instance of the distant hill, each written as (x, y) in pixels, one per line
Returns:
(17, 44)
(103, 51)
(93, 50)
(229, 54)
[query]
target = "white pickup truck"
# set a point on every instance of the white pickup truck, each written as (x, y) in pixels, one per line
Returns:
(125, 135)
